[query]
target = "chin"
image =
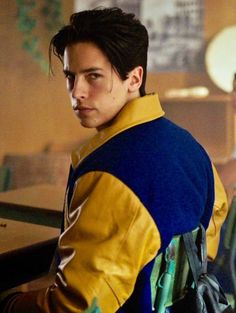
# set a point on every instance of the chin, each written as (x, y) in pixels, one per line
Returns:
(88, 125)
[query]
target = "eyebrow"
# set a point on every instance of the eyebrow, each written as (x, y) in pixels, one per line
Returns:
(87, 70)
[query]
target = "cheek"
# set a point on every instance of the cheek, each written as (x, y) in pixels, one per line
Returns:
(98, 92)
(120, 97)
(102, 86)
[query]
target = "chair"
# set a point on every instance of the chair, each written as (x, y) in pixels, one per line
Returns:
(40, 168)
(5, 178)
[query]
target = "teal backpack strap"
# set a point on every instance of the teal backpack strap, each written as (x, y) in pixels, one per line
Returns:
(94, 308)
(154, 278)
(166, 279)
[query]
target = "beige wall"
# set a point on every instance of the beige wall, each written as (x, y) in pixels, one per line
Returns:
(35, 110)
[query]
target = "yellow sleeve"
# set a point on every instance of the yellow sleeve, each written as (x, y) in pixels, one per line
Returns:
(110, 237)
(219, 214)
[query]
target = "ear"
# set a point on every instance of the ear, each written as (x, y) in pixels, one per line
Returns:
(135, 79)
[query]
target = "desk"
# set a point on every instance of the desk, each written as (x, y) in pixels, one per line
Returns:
(39, 204)
(26, 251)
(30, 220)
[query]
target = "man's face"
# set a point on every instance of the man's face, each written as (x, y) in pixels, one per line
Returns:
(96, 91)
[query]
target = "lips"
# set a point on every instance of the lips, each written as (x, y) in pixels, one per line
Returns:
(81, 111)
(84, 109)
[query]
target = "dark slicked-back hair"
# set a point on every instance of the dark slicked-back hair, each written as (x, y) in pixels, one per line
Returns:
(119, 35)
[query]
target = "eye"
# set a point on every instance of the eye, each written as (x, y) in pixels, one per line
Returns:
(69, 76)
(70, 80)
(94, 76)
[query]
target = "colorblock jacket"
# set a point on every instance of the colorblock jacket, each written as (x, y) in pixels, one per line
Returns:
(134, 186)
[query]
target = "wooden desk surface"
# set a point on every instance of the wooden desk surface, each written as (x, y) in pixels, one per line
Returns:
(30, 220)
(40, 204)
(17, 235)
(26, 251)
(47, 196)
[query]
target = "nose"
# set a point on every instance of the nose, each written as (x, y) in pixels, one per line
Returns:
(79, 90)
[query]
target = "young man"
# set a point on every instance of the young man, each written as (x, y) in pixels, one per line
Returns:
(140, 180)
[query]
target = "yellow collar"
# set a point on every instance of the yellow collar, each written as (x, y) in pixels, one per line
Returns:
(135, 112)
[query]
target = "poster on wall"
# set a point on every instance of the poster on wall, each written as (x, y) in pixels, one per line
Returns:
(175, 28)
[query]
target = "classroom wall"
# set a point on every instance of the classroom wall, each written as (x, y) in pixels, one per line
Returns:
(35, 110)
